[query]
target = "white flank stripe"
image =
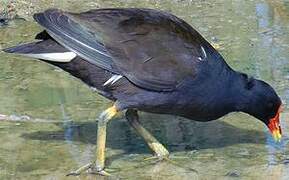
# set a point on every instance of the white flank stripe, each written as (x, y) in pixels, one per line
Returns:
(204, 52)
(55, 57)
(112, 80)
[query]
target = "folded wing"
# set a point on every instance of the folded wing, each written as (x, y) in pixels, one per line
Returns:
(154, 50)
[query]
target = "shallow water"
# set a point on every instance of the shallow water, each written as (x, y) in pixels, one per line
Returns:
(50, 125)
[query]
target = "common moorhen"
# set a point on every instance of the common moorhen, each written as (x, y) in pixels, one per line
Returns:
(148, 60)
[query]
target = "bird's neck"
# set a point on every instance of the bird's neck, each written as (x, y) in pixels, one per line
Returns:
(232, 95)
(217, 97)
(240, 98)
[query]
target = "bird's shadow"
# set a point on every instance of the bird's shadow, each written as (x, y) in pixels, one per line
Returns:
(178, 134)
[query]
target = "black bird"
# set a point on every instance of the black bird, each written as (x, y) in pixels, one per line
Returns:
(148, 60)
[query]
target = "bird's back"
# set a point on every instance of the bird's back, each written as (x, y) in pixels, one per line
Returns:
(143, 58)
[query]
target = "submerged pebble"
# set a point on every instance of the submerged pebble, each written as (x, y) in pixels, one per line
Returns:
(3, 21)
(8, 14)
(286, 161)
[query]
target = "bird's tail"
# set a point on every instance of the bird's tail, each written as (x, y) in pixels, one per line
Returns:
(48, 50)
(51, 52)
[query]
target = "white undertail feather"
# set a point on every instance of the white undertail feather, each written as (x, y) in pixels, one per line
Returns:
(55, 57)
(112, 80)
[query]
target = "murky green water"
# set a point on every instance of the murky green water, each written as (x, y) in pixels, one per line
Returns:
(61, 133)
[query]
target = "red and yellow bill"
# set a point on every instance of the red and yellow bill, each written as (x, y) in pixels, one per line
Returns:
(274, 126)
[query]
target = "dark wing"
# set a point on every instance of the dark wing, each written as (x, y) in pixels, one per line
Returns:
(75, 38)
(154, 50)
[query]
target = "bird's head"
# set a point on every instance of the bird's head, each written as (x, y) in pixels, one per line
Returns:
(263, 103)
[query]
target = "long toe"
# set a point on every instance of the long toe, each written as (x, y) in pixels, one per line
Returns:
(80, 170)
(89, 168)
(99, 172)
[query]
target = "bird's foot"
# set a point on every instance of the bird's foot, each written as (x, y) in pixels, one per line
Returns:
(158, 158)
(89, 168)
(161, 153)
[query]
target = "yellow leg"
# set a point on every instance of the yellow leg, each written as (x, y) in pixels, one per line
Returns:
(98, 165)
(101, 136)
(159, 150)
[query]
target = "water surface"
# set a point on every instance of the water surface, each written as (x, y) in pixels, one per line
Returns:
(54, 129)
